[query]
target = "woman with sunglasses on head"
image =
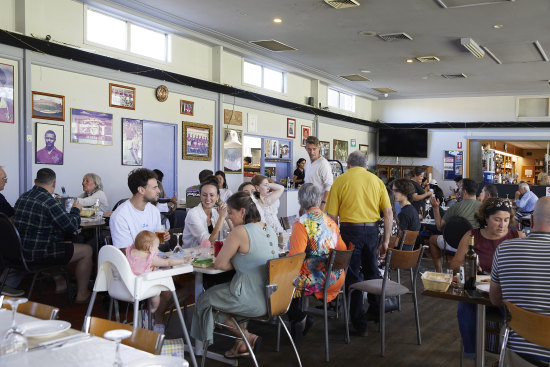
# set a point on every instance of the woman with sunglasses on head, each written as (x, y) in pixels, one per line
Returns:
(495, 217)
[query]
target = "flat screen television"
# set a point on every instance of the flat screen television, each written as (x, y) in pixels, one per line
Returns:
(403, 142)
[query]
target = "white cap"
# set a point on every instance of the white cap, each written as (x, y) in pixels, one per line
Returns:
(433, 182)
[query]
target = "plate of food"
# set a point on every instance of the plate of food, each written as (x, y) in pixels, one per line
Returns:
(483, 279)
(483, 287)
(203, 263)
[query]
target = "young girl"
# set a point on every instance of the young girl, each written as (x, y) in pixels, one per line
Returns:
(142, 256)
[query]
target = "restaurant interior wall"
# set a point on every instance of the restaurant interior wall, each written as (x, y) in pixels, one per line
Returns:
(362, 135)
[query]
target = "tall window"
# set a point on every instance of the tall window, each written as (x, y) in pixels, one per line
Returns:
(123, 35)
(341, 100)
(263, 77)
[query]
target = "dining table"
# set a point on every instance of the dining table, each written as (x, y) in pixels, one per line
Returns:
(95, 224)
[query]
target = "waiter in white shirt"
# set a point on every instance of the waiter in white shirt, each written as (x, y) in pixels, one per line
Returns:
(318, 170)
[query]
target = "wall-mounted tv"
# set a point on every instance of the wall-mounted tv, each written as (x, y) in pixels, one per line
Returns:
(403, 142)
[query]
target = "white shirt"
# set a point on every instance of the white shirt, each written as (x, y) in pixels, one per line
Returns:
(319, 173)
(196, 228)
(90, 200)
(225, 194)
(127, 221)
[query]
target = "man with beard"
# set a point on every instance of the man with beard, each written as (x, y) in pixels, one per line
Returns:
(318, 170)
(49, 154)
(137, 214)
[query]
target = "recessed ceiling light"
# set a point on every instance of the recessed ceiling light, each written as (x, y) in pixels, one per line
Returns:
(410, 61)
(277, 20)
(365, 71)
(498, 26)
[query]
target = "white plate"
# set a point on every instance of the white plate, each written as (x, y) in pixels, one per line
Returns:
(159, 361)
(44, 327)
(483, 287)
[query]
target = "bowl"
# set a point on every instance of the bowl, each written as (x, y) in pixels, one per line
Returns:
(87, 213)
(438, 282)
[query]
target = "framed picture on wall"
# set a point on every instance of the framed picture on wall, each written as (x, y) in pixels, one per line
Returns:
(187, 107)
(121, 96)
(340, 152)
(364, 149)
(232, 151)
(48, 106)
(290, 128)
(49, 144)
(306, 132)
(91, 127)
(325, 149)
(232, 117)
(6, 93)
(197, 141)
(132, 142)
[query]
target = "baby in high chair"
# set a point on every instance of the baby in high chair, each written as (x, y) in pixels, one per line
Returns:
(142, 256)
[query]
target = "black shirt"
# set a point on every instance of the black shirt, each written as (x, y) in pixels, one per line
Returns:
(300, 175)
(420, 191)
(5, 207)
(408, 219)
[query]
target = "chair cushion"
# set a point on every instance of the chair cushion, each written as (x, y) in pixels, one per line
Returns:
(374, 286)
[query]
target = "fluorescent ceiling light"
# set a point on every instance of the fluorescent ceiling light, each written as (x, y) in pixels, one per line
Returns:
(473, 47)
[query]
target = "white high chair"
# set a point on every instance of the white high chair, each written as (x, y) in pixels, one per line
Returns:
(115, 276)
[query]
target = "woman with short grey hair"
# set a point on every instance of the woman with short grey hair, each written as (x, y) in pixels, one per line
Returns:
(93, 191)
(309, 196)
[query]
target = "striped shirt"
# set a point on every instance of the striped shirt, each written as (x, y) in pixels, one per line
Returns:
(522, 268)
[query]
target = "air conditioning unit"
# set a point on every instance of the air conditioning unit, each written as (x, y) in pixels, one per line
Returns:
(341, 4)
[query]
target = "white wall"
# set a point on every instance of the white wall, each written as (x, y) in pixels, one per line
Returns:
(7, 15)
(331, 130)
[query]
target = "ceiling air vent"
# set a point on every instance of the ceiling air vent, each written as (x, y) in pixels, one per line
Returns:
(273, 45)
(465, 3)
(454, 76)
(341, 4)
(385, 90)
(428, 58)
(395, 36)
(355, 78)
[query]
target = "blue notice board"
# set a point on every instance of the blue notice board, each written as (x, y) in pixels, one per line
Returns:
(452, 164)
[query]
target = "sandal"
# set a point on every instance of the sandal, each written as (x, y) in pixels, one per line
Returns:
(234, 352)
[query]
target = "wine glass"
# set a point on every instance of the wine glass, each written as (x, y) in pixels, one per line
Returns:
(177, 248)
(117, 335)
(14, 341)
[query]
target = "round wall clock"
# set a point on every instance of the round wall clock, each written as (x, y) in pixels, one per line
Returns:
(162, 93)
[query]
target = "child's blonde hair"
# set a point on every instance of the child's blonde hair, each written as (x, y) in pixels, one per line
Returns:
(145, 240)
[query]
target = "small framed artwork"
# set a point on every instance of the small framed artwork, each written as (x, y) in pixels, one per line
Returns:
(49, 144)
(6, 93)
(353, 143)
(364, 149)
(91, 127)
(306, 132)
(325, 149)
(232, 117)
(197, 141)
(121, 96)
(187, 107)
(340, 152)
(132, 142)
(290, 128)
(232, 151)
(48, 106)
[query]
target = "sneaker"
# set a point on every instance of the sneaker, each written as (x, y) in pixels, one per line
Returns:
(12, 292)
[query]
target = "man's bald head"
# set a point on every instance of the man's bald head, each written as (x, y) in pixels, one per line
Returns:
(541, 215)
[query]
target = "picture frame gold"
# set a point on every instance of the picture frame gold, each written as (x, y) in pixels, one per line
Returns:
(196, 141)
(187, 107)
(48, 106)
(122, 96)
(340, 150)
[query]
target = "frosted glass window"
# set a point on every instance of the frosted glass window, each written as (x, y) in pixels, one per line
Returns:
(252, 74)
(333, 98)
(106, 30)
(148, 43)
(341, 100)
(273, 80)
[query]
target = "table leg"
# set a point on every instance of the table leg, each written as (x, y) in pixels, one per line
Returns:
(480, 335)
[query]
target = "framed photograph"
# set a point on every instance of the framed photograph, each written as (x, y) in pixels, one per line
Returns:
(48, 106)
(121, 96)
(325, 149)
(91, 127)
(49, 144)
(197, 141)
(232, 151)
(271, 148)
(232, 117)
(132, 142)
(364, 149)
(306, 132)
(340, 152)
(284, 150)
(290, 128)
(187, 107)
(6, 93)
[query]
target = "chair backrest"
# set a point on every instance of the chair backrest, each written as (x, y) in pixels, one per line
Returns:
(400, 259)
(531, 326)
(408, 240)
(179, 218)
(142, 339)
(281, 274)
(394, 241)
(118, 203)
(455, 229)
(38, 310)
(11, 249)
(339, 259)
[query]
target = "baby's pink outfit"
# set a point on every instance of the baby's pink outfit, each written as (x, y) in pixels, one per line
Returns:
(140, 265)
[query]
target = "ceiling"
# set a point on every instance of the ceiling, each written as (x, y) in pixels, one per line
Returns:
(332, 42)
(532, 144)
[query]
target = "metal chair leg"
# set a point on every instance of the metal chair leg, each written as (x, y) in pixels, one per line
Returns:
(204, 351)
(245, 339)
(415, 301)
(346, 318)
(185, 333)
(382, 325)
(327, 359)
(32, 285)
(399, 297)
(278, 344)
(136, 313)
(290, 338)
(117, 311)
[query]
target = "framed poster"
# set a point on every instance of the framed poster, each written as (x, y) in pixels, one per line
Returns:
(48, 106)
(452, 164)
(6, 93)
(187, 107)
(364, 149)
(325, 149)
(232, 151)
(132, 142)
(306, 132)
(121, 96)
(290, 128)
(284, 150)
(271, 148)
(49, 144)
(91, 127)
(197, 141)
(232, 117)
(340, 152)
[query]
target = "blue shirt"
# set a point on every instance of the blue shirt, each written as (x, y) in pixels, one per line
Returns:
(527, 202)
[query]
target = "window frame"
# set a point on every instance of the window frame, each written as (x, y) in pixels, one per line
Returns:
(340, 104)
(262, 84)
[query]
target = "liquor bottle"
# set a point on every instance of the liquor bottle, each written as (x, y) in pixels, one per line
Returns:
(470, 267)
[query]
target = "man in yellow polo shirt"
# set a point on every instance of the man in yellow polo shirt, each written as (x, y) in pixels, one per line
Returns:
(357, 197)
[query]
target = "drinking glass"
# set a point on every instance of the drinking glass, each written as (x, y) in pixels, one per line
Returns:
(160, 233)
(14, 341)
(117, 335)
(177, 248)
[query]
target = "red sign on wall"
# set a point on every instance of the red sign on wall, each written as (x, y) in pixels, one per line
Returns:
(458, 145)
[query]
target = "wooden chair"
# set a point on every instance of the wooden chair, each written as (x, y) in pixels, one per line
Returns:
(35, 309)
(531, 326)
(395, 259)
(281, 273)
(407, 243)
(142, 339)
